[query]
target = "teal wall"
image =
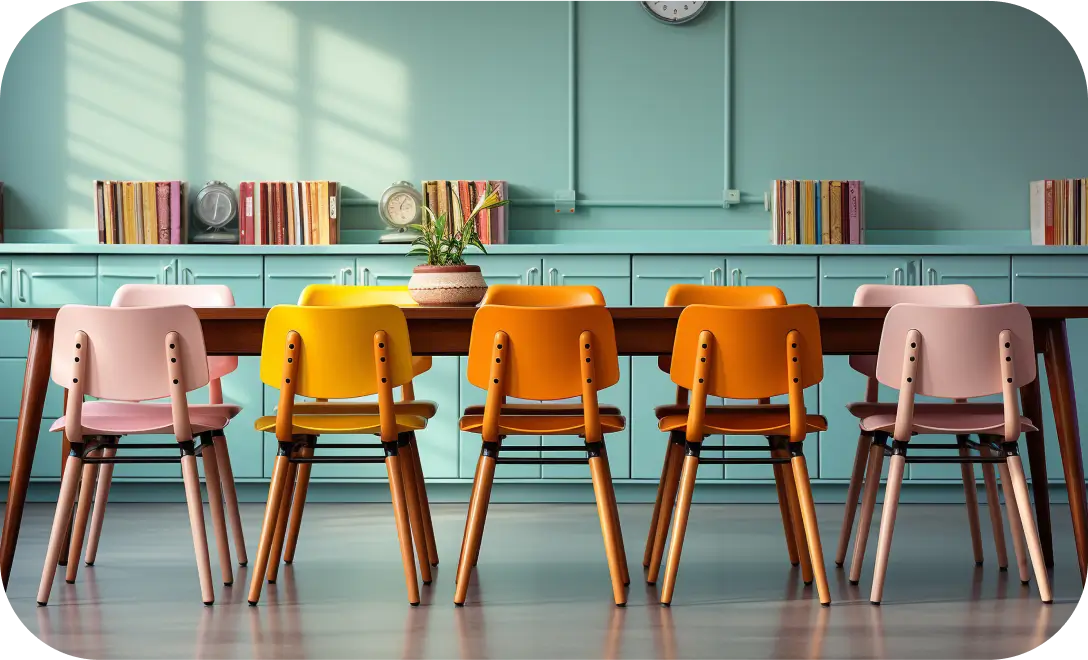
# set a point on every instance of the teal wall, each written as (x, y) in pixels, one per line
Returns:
(946, 110)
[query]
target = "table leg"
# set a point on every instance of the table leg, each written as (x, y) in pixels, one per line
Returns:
(1060, 377)
(26, 438)
(1033, 409)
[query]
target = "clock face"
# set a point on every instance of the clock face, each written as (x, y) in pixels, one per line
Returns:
(215, 208)
(401, 208)
(677, 11)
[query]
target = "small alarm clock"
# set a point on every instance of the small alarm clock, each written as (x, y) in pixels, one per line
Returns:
(214, 214)
(400, 206)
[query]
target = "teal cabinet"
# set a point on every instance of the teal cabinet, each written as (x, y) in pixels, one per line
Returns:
(1058, 280)
(286, 276)
(114, 271)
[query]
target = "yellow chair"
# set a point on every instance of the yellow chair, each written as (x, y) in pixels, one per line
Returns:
(334, 295)
(339, 353)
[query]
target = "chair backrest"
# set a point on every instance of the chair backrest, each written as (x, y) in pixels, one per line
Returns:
(749, 355)
(337, 295)
(126, 356)
(542, 354)
(521, 295)
(193, 295)
(959, 352)
(337, 357)
(682, 295)
(886, 295)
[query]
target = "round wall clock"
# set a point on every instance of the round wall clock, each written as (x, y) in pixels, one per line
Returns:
(214, 209)
(674, 12)
(400, 206)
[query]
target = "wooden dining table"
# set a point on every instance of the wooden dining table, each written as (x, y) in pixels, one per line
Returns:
(639, 331)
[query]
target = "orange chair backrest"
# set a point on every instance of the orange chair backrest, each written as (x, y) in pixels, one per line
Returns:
(521, 295)
(682, 295)
(541, 350)
(749, 351)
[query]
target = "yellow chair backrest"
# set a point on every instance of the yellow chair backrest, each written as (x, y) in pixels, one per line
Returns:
(337, 295)
(338, 356)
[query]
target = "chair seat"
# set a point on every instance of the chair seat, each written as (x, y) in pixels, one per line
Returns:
(543, 424)
(957, 418)
(863, 409)
(127, 418)
(740, 420)
(320, 424)
(417, 408)
(543, 409)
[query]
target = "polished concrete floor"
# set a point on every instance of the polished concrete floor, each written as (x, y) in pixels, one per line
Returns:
(541, 591)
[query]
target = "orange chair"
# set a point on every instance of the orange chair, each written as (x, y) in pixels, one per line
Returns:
(522, 295)
(682, 295)
(740, 353)
(546, 354)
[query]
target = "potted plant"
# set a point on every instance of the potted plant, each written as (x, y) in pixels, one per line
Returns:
(445, 279)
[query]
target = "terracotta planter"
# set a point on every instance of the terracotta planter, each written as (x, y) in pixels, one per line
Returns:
(446, 286)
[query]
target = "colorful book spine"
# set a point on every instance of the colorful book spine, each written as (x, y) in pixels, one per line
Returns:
(162, 212)
(177, 202)
(854, 210)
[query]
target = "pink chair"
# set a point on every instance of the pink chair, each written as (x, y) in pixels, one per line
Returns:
(957, 353)
(887, 295)
(125, 356)
(193, 295)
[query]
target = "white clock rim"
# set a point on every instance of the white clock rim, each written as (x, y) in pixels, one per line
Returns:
(388, 194)
(668, 21)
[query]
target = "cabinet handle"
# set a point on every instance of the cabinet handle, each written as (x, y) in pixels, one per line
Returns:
(529, 274)
(897, 276)
(553, 276)
(344, 272)
(734, 277)
(3, 274)
(363, 277)
(166, 273)
(187, 273)
(20, 294)
(931, 275)
(714, 274)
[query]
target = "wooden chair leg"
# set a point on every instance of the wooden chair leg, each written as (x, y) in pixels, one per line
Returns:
(868, 503)
(406, 459)
(474, 526)
(480, 543)
(887, 519)
(614, 509)
(857, 477)
(476, 482)
(196, 523)
(424, 503)
(98, 513)
(651, 535)
(602, 490)
(213, 482)
(280, 535)
(63, 514)
(784, 512)
(302, 486)
(1016, 529)
(268, 526)
(87, 483)
(400, 515)
(680, 521)
(970, 493)
(1023, 507)
(993, 504)
(808, 516)
(675, 461)
(230, 496)
(796, 518)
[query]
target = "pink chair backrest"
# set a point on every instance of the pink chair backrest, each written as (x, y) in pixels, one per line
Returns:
(193, 295)
(960, 352)
(886, 295)
(125, 359)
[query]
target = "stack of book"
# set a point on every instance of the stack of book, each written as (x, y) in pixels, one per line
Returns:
(146, 212)
(456, 199)
(289, 212)
(1059, 212)
(817, 212)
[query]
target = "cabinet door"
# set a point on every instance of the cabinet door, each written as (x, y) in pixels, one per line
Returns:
(440, 442)
(797, 277)
(14, 335)
(840, 276)
(612, 275)
(650, 387)
(497, 269)
(990, 277)
(286, 276)
(243, 387)
(1058, 280)
(40, 281)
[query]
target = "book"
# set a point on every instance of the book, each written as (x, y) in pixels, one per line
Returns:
(334, 213)
(110, 236)
(118, 217)
(483, 220)
(818, 201)
(129, 207)
(835, 195)
(296, 194)
(854, 212)
(177, 201)
(791, 208)
(162, 212)
(500, 217)
(138, 211)
(323, 213)
(291, 237)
